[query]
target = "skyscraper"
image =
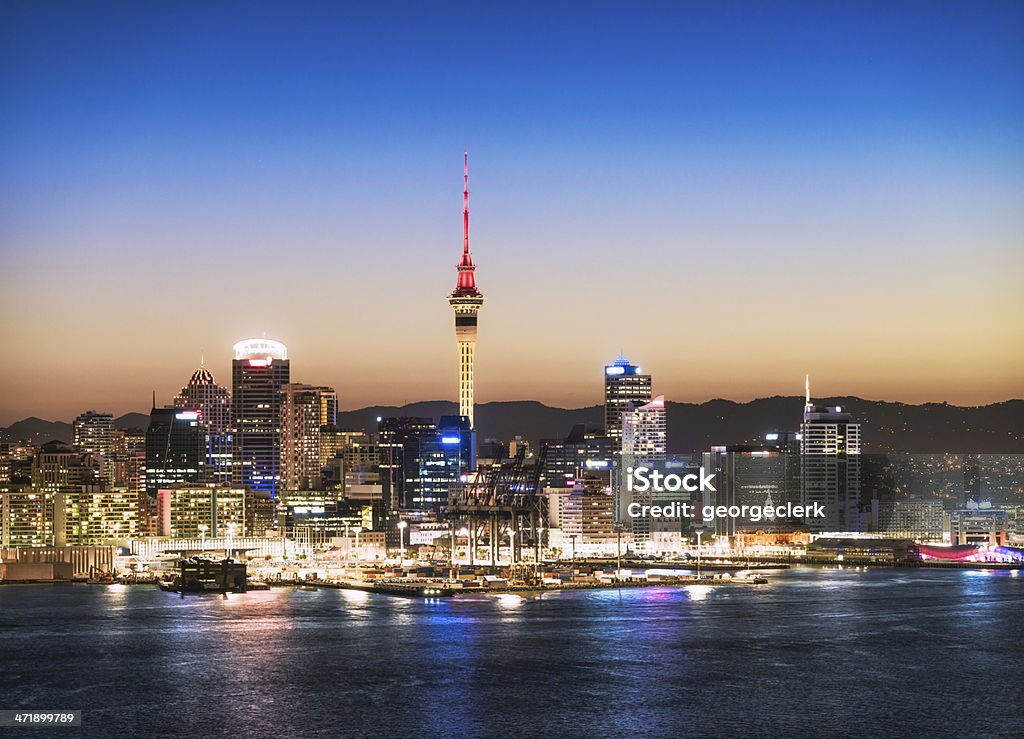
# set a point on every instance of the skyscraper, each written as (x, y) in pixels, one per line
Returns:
(421, 462)
(175, 448)
(202, 393)
(466, 300)
(830, 466)
(623, 385)
(258, 372)
(305, 410)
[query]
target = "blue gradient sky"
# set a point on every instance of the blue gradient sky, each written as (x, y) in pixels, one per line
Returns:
(731, 193)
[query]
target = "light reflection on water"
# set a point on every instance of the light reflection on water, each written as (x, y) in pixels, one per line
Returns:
(803, 655)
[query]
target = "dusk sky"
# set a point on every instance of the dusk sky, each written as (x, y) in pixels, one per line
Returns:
(732, 194)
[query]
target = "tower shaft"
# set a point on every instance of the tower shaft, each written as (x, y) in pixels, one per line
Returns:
(466, 301)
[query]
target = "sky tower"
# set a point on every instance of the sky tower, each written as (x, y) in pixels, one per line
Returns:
(466, 301)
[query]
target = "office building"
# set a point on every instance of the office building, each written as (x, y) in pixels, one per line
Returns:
(175, 448)
(213, 401)
(979, 524)
(258, 372)
(920, 519)
(830, 466)
(586, 447)
(421, 463)
(624, 386)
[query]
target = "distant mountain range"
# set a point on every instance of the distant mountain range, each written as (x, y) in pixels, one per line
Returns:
(931, 427)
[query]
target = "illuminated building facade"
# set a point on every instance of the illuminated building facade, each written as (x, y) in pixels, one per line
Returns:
(258, 372)
(175, 448)
(920, 519)
(978, 525)
(624, 385)
(422, 461)
(644, 441)
(26, 517)
(305, 410)
(567, 458)
(193, 511)
(466, 301)
(92, 433)
(351, 457)
(202, 393)
(830, 466)
(94, 515)
(129, 459)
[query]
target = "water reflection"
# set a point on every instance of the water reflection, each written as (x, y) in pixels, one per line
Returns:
(698, 592)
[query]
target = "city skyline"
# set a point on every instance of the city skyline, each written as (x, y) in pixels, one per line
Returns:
(794, 206)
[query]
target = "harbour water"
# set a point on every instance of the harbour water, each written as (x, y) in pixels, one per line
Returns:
(815, 652)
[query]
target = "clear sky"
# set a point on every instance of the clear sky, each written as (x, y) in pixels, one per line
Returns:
(732, 194)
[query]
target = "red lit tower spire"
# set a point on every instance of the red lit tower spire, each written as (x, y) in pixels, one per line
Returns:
(466, 301)
(466, 284)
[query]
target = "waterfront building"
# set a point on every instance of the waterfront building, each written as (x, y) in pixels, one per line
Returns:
(196, 510)
(755, 476)
(912, 519)
(26, 516)
(258, 372)
(96, 515)
(978, 523)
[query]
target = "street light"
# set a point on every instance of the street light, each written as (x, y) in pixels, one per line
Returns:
(618, 550)
(202, 536)
(699, 532)
(357, 529)
(231, 536)
(348, 549)
(402, 525)
(511, 547)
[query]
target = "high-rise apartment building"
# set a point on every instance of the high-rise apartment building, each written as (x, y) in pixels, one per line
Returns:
(644, 442)
(92, 433)
(258, 372)
(305, 410)
(193, 511)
